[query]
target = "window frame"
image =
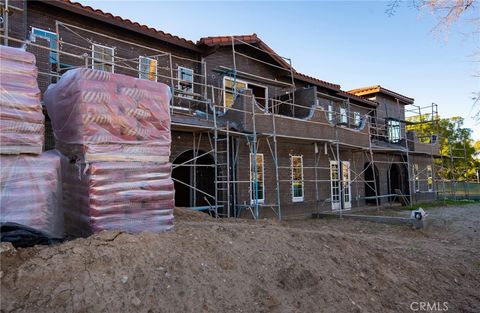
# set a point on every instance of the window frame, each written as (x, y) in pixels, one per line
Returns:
(343, 116)
(252, 199)
(416, 178)
(113, 57)
(330, 113)
(293, 180)
(357, 118)
(429, 178)
(140, 57)
(185, 93)
(40, 36)
(394, 130)
(247, 84)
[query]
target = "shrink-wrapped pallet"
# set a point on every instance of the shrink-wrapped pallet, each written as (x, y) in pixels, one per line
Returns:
(127, 196)
(106, 116)
(21, 116)
(31, 192)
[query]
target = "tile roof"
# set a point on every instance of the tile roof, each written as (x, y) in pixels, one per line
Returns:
(254, 39)
(119, 21)
(357, 98)
(370, 90)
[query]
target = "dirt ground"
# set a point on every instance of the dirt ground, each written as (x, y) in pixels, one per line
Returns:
(209, 265)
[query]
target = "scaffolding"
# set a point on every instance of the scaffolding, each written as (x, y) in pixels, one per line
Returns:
(201, 99)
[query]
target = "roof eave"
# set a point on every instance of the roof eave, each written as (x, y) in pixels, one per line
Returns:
(119, 23)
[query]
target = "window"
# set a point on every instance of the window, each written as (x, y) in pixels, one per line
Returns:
(416, 179)
(356, 118)
(147, 68)
(330, 113)
(429, 178)
(102, 58)
(343, 116)
(233, 86)
(52, 39)
(185, 80)
(297, 178)
(393, 127)
(257, 188)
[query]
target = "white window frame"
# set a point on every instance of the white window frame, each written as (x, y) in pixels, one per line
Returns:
(429, 178)
(40, 36)
(343, 116)
(330, 113)
(252, 199)
(113, 55)
(140, 67)
(357, 118)
(179, 71)
(346, 185)
(302, 198)
(393, 129)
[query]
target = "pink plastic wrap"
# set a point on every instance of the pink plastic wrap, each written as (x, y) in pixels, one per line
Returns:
(31, 192)
(99, 113)
(21, 117)
(126, 196)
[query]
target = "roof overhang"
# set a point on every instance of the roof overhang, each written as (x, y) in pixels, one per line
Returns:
(117, 21)
(377, 89)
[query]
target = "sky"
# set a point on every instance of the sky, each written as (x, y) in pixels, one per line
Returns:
(351, 43)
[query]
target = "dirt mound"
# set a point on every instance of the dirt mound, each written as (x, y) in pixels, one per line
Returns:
(209, 265)
(190, 215)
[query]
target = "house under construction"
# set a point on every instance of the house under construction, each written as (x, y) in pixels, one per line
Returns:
(251, 136)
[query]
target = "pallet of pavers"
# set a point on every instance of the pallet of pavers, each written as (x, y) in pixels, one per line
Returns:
(30, 187)
(114, 133)
(31, 192)
(21, 116)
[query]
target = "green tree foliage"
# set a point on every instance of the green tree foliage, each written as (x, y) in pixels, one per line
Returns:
(458, 150)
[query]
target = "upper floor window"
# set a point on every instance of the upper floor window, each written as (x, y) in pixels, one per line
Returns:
(393, 128)
(356, 118)
(147, 68)
(330, 113)
(185, 80)
(102, 58)
(297, 178)
(52, 41)
(231, 88)
(343, 116)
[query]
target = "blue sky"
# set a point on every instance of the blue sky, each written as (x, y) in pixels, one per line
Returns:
(351, 43)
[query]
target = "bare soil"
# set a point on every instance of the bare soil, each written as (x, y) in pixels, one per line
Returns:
(228, 265)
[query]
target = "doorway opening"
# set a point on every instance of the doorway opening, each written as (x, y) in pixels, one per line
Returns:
(199, 173)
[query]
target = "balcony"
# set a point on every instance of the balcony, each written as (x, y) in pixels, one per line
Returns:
(306, 121)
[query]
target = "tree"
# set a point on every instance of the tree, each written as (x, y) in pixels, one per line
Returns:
(457, 148)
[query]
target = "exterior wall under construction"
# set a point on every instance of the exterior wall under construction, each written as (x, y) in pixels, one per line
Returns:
(292, 120)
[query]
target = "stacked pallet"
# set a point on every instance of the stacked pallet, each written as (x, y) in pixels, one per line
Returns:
(21, 117)
(30, 189)
(31, 192)
(114, 132)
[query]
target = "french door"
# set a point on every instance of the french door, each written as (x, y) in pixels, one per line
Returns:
(336, 187)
